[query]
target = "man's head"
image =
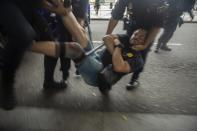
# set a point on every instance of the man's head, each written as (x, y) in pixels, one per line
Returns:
(138, 37)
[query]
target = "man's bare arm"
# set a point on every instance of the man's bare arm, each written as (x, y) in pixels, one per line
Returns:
(119, 64)
(69, 20)
(77, 31)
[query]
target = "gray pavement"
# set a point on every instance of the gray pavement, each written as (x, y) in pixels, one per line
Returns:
(33, 119)
(165, 100)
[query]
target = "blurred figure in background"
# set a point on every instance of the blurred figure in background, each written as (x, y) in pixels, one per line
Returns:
(97, 6)
(168, 32)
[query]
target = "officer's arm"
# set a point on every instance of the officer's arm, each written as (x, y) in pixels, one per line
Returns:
(117, 14)
(111, 25)
(119, 64)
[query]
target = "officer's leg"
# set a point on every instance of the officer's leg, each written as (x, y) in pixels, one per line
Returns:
(65, 66)
(20, 36)
(169, 33)
(64, 35)
(44, 33)
(165, 41)
(160, 42)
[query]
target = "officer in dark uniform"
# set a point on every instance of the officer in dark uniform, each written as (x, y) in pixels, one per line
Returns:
(79, 8)
(170, 28)
(20, 35)
(15, 22)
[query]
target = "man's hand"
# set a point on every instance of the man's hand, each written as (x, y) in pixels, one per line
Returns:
(108, 39)
(56, 6)
(109, 42)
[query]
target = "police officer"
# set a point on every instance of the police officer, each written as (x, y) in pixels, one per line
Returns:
(79, 8)
(21, 35)
(170, 28)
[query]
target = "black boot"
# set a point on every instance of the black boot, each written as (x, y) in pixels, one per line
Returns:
(165, 48)
(158, 47)
(132, 85)
(49, 66)
(54, 85)
(8, 99)
(7, 94)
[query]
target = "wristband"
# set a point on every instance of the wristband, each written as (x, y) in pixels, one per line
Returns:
(119, 46)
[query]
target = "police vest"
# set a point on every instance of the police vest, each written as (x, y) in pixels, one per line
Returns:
(148, 13)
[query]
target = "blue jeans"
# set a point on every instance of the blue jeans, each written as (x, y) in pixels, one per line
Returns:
(89, 69)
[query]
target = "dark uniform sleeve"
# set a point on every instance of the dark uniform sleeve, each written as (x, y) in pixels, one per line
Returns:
(119, 9)
(80, 8)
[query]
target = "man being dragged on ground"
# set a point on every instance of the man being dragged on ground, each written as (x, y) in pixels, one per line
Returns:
(102, 69)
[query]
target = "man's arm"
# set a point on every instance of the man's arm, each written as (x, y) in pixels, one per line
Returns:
(69, 20)
(119, 64)
(77, 31)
